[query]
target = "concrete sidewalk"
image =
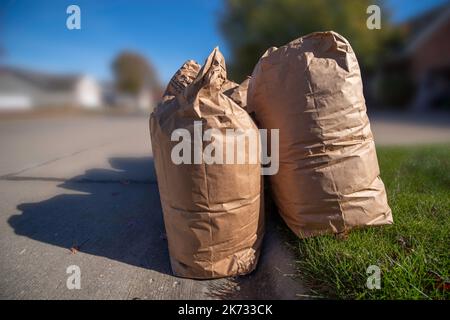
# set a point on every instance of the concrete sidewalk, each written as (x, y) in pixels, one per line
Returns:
(83, 192)
(89, 184)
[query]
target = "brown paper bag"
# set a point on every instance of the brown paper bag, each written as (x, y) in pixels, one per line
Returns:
(212, 212)
(328, 178)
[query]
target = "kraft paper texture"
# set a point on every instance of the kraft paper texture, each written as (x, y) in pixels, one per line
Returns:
(328, 179)
(213, 213)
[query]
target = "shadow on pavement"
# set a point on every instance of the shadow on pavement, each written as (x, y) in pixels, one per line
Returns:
(109, 216)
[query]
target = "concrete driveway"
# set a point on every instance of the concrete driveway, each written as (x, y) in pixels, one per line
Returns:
(82, 191)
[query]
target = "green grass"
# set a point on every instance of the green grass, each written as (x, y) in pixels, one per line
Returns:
(413, 253)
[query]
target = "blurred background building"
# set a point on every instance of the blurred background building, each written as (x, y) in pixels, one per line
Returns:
(427, 58)
(405, 64)
(416, 74)
(22, 89)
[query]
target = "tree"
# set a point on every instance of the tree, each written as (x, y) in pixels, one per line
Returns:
(252, 26)
(133, 72)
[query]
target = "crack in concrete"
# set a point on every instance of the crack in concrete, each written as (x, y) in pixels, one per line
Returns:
(72, 180)
(41, 164)
(38, 165)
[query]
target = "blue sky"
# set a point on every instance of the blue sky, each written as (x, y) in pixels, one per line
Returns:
(33, 34)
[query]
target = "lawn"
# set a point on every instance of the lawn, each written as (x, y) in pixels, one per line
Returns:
(412, 254)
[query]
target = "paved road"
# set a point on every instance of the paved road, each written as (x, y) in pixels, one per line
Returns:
(390, 128)
(89, 183)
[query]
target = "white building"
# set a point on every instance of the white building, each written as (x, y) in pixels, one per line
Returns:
(23, 89)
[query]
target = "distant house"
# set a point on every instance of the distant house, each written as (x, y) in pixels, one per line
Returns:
(25, 89)
(428, 46)
(423, 61)
(428, 53)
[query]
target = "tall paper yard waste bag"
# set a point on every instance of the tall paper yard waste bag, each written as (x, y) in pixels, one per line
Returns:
(212, 211)
(328, 179)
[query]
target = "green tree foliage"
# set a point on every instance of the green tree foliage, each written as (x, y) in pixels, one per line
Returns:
(252, 26)
(133, 72)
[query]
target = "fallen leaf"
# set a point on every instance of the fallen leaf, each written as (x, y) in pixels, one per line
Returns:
(342, 235)
(74, 249)
(440, 282)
